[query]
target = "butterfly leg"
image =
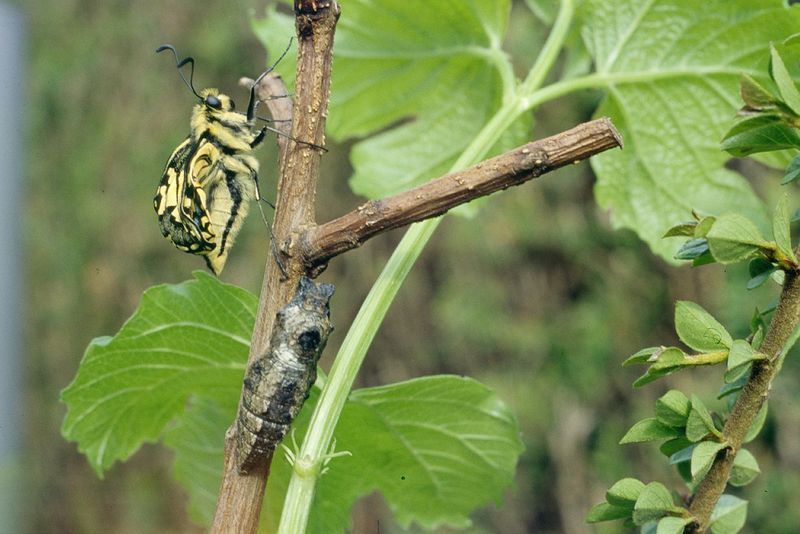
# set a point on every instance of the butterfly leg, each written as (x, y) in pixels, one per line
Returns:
(273, 247)
(259, 138)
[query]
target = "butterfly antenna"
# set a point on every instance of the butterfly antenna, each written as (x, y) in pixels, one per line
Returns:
(251, 106)
(180, 63)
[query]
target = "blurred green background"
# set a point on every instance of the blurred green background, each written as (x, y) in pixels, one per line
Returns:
(537, 297)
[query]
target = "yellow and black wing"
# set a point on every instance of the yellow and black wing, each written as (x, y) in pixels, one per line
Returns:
(229, 184)
(181, 205)
(203, 198)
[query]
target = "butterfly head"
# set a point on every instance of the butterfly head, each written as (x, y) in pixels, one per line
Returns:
(214, 102)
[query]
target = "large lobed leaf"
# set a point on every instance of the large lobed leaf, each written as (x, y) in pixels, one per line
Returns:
(436, 447)
(672, 71)
(189, 338)
(197, 437)
(423, 74)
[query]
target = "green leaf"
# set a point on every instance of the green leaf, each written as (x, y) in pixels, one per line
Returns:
(671, 95)
(757, 424)
(741, 354)
(649, 429)
(274, 31)
(760, 269)
(733, 375)
(197, 439)
(653, 503)
(703, 259)
(739, 360)
(692, 249)
(729, 515)
(755, 96)
(685, 471)
(682, 229)
(425, 92)
(780, 228)
(792, 173)
(700, 424)
(577, 62)
(704, 226)
(792, 40)
(673, 408)
(667, 360)
(745, 468)
(435, 447)
(759, 133)
(188, 338)
(734, 238)
(624, 493)
(683, 455)
(703, 456)
(545, 10)
(672, 525)
(698, 329)
(782, 78)
(669, 448)
(606, 512)
(643, 356)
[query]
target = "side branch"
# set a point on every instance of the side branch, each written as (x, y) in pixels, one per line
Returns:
(317, 245)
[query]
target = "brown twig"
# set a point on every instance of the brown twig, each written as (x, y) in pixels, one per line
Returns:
(749, 403)
(319, 244)
(241, 496)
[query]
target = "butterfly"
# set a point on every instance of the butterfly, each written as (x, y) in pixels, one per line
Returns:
(211, 177)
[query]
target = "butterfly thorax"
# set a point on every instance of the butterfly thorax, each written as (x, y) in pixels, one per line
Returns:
(230, 130)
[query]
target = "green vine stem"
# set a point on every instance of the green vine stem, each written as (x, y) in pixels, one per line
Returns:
(299, 496)
(752, 397)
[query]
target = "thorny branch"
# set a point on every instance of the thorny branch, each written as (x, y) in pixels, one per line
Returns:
(305, 248)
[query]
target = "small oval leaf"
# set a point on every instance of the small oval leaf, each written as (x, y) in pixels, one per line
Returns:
(649, 429)
(734, 238)
(703, 456)
(745, 468)
(698, 329)
(729, 515)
